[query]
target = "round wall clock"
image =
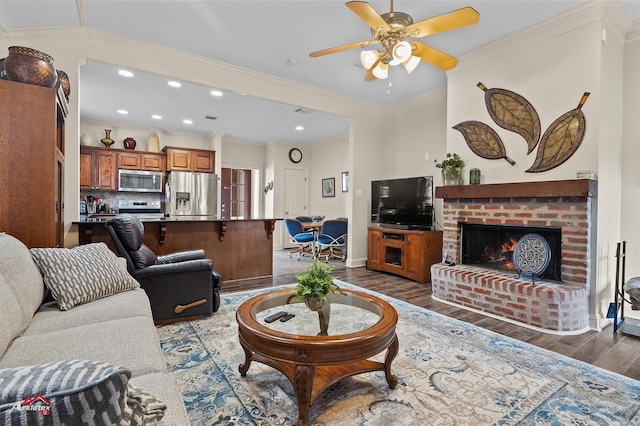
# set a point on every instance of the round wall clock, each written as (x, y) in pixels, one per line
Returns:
(295, 155)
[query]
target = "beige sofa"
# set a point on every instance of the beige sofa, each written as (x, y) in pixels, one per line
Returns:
(113, 330)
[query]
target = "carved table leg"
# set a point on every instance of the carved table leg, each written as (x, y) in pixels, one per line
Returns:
(302, 385)
(243, 368)
(392, 380)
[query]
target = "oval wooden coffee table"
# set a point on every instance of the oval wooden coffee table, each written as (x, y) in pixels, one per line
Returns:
(316, 349)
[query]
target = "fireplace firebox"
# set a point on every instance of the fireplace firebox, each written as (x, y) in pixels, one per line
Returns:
(492, 246)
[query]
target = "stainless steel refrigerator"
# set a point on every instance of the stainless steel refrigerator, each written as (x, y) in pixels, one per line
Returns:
(191, 194)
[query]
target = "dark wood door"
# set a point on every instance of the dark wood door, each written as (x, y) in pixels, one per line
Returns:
(235, 197)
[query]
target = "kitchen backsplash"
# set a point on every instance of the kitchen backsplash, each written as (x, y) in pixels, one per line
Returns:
(111, 198)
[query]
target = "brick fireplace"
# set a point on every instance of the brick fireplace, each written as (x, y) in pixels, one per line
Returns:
(560, 307)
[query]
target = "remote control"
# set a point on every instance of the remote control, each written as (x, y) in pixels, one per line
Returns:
(286, 317)
(272, 318)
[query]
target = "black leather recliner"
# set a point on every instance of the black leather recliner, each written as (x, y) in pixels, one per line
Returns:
(182, 284)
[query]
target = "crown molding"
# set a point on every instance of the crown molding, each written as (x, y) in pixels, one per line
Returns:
(580, 15)
(617, 19)
(633, 33)
(104, 46)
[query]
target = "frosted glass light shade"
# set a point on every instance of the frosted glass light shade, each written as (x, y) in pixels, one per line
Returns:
(381, 71)
(411, 64)
(401, 52)
(369, 57)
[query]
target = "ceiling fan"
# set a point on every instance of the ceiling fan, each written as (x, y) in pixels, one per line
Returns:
(395, 31)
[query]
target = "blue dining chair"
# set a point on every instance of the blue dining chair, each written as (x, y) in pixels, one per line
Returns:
(297, 236)
(332, 240)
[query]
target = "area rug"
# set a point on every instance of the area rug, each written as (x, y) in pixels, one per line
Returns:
(450, 373)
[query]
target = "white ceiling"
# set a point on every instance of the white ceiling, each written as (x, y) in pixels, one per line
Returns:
(262, 36)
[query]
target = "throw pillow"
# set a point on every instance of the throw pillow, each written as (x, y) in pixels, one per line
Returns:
(82, 274)
(64, 392)
(144, 408)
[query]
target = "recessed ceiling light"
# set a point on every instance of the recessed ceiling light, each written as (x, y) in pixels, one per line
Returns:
(292, 62)
(187, 121)
(174, 83)
(300, 128)
(125, 73)
(123, 111)
(156, 117)
(217, 93)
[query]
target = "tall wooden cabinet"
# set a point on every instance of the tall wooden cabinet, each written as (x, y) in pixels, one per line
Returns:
(32, 163)
(404, 252)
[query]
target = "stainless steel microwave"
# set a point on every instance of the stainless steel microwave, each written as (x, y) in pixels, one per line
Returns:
(139, 181)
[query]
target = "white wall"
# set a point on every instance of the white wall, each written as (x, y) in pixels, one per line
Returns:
(329, 160)
(551, 65)
(630, 183)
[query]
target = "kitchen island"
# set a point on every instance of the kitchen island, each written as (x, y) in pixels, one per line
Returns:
(239, 248)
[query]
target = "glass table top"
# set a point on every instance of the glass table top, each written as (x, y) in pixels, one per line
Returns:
(342, 314)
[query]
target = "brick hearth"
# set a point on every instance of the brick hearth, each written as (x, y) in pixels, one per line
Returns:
(569, 205)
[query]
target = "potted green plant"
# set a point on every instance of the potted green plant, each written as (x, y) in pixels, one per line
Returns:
(451, 167)
(314, 285)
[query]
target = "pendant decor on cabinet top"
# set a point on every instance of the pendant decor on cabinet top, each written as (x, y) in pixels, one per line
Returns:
(153, 143)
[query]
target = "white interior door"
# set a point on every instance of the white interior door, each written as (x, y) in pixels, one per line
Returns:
(296, 190)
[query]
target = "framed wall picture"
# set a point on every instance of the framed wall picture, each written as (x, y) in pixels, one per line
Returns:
(345, 181)
(329, 187)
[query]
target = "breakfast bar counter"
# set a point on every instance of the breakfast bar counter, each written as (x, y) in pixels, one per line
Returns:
(239, 248)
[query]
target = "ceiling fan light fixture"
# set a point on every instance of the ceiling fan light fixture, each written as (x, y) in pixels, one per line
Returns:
(381, 71)
(400, 53)
(369, 57)
(411, 64)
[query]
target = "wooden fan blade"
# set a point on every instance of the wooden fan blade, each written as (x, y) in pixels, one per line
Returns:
(433, 56)
(358, 44)
(368, 14)
(369, 76)
(447, 22)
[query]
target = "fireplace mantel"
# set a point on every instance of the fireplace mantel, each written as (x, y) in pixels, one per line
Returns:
(582, 188)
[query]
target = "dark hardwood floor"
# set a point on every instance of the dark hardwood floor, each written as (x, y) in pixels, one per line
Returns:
(614, 352)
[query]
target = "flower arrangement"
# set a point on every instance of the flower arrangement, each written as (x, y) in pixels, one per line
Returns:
(316, 283)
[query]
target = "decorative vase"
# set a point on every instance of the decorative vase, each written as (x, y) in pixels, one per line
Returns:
(314, 303)
(452, 176)
(153, 143)
(474, 176)
(30, 66)
(107, 141)
(63, 79)
(86, 140)
(129, 143)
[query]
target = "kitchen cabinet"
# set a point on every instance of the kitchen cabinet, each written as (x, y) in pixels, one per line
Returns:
(131, 160)
(98, 169)
(32, 163)
(190, 160)
(407, 253)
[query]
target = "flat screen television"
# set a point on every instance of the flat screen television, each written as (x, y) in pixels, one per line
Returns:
(403, 203)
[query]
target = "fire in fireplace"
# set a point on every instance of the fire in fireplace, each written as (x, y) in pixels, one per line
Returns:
(492, 246)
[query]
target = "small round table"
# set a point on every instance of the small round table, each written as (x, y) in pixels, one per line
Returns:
(316, 349)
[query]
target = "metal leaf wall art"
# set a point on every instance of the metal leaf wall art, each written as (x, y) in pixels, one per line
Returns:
(561, 139)
(512, 112)
(483, 140)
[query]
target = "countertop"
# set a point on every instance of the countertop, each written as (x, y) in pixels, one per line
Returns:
(102, 218)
